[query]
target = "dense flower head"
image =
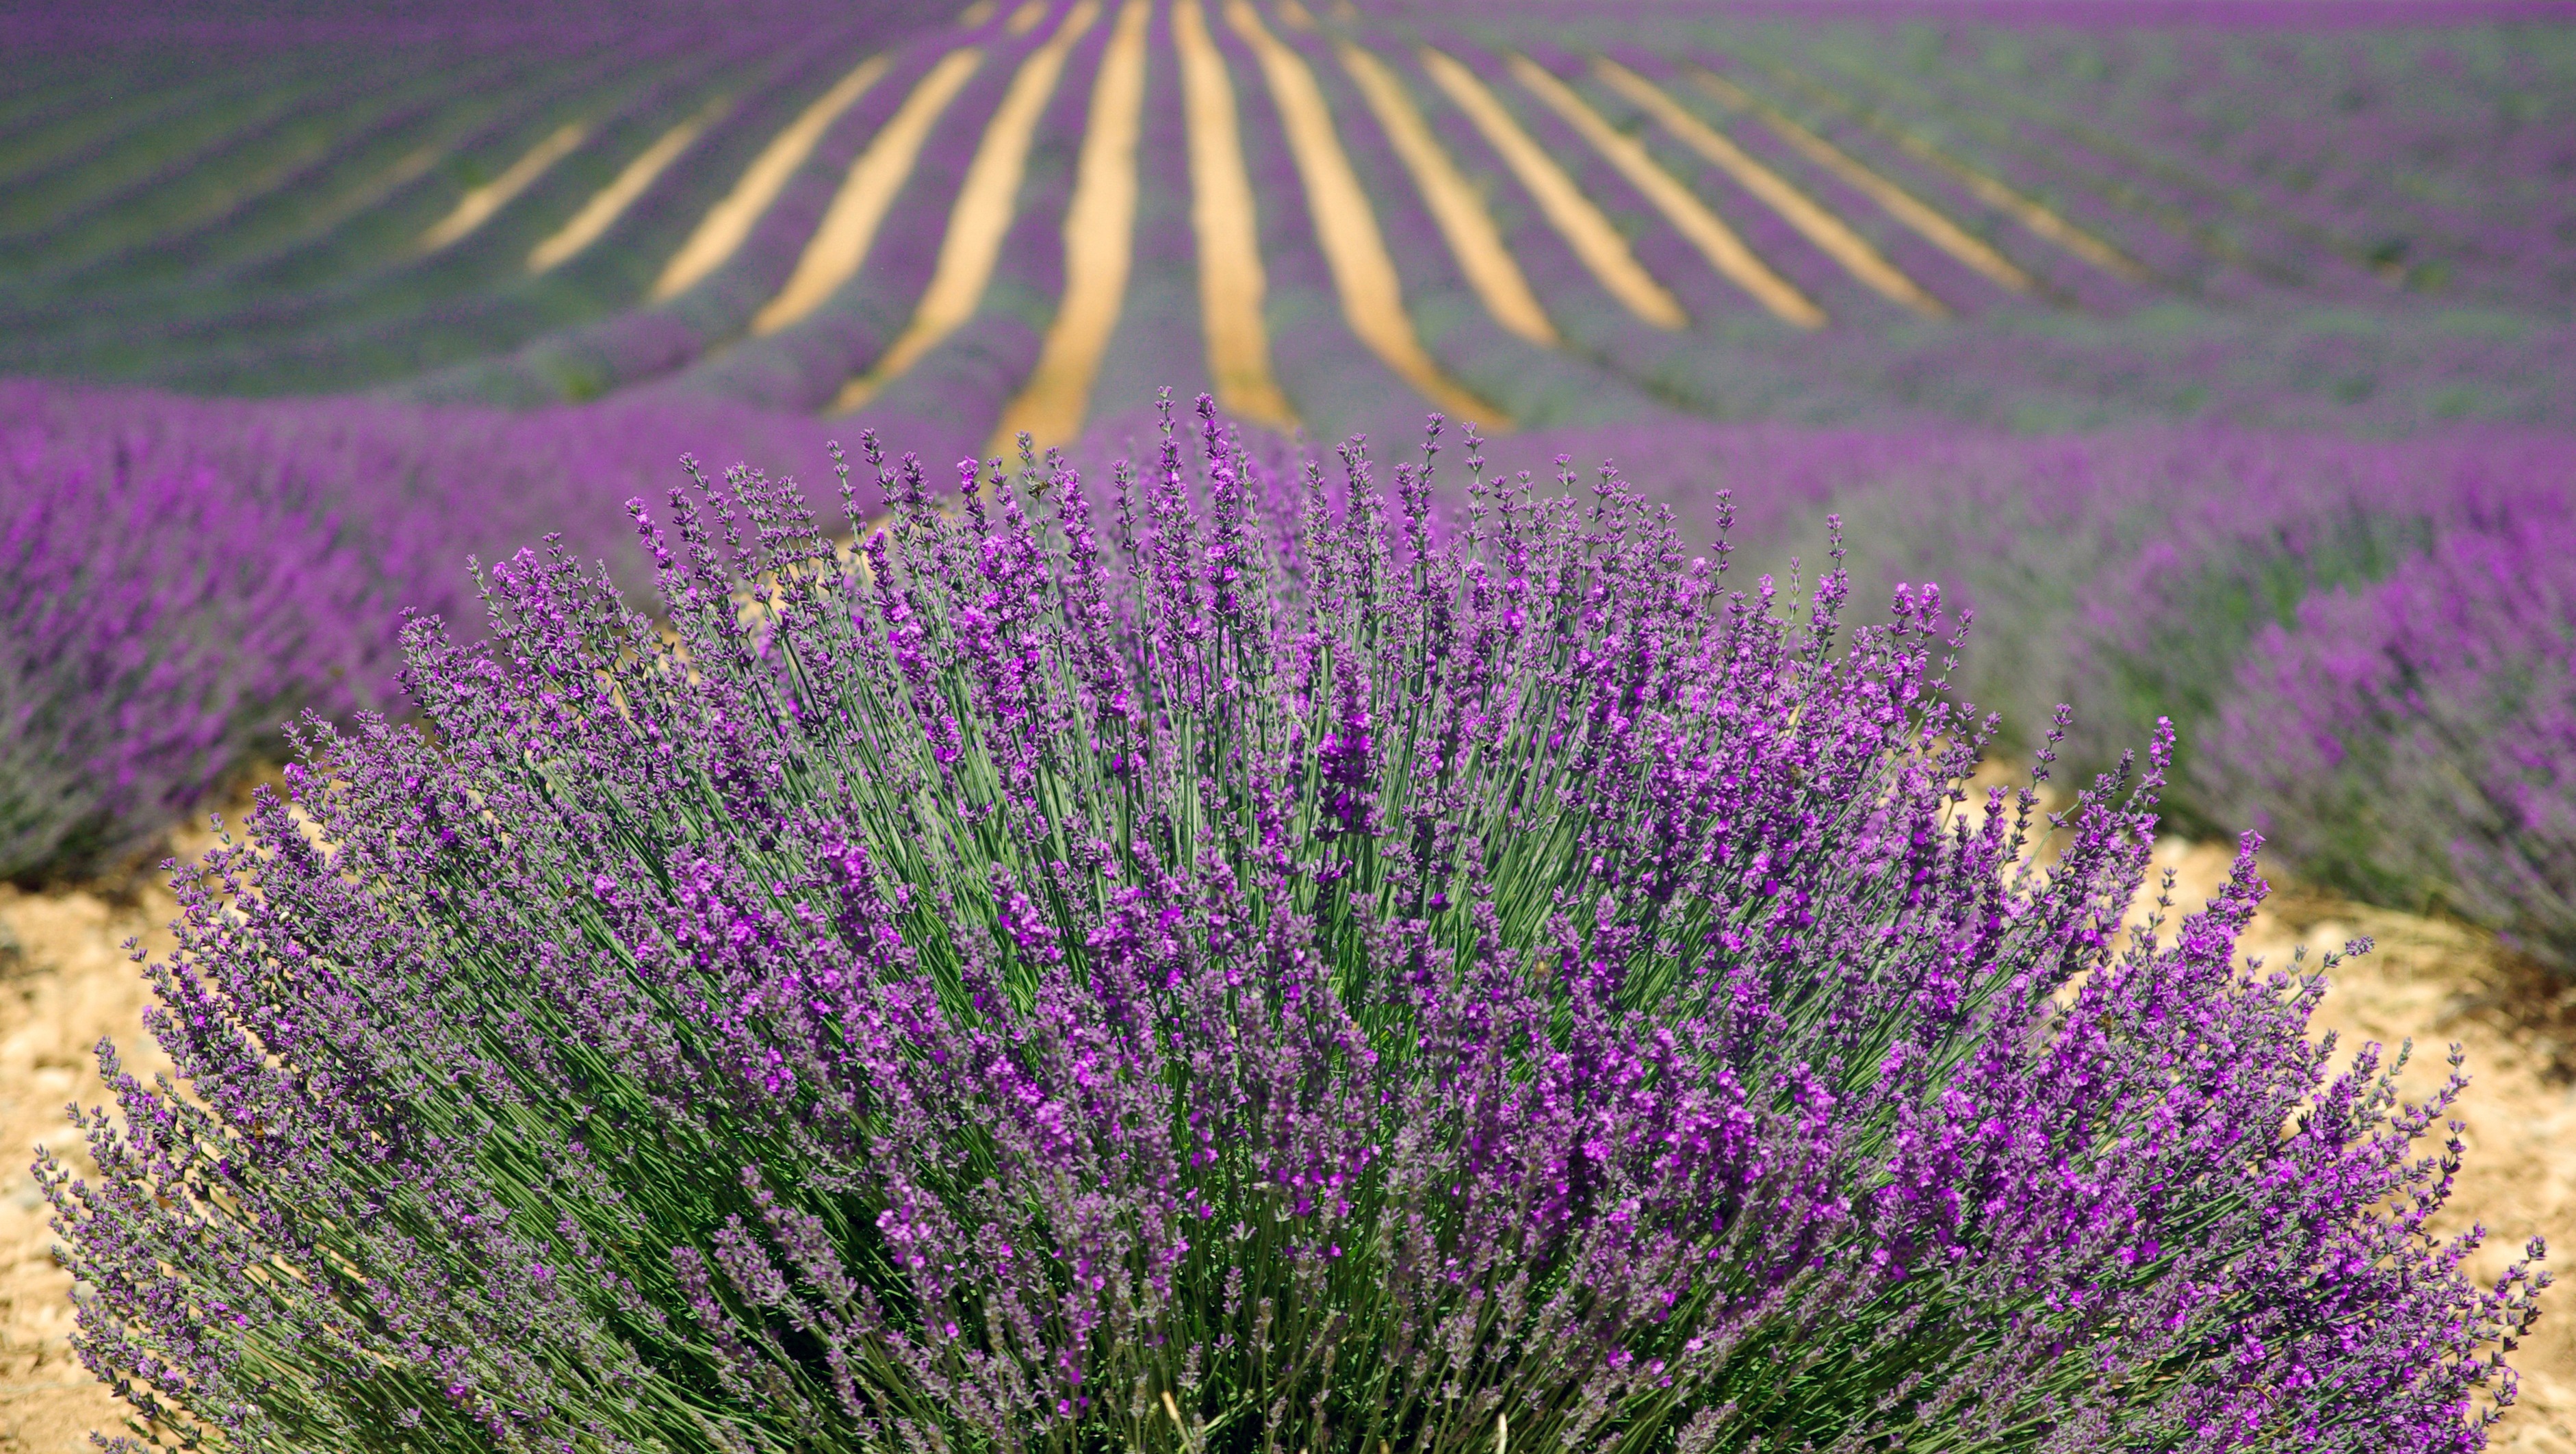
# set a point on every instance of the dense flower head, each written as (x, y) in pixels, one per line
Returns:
(1241, 964)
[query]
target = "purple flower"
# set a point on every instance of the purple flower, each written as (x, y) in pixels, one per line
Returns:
(1001, 985)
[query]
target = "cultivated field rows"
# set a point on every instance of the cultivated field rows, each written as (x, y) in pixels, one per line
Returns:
(2209, 367)
(1384, 211)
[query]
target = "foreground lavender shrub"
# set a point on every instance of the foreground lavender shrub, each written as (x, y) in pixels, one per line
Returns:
(2415, 740)
(1230, 985)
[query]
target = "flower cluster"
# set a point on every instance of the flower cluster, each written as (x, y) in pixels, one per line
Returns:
(1240, 967)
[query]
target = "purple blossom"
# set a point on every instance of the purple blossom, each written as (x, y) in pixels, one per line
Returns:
(1192, 981)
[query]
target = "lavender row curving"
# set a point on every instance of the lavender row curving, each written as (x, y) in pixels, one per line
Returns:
(2413, 741)
(179, 577)
(156, 617)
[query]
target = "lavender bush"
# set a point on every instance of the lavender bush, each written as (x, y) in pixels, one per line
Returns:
(2415, 740)
(1243, 972)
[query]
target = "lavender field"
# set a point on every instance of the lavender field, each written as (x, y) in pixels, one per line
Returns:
(1274, 724)
(2038, 222)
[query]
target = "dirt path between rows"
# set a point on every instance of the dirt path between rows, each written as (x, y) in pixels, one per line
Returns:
(66, 982)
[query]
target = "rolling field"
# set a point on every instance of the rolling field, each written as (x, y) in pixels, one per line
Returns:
(2216, 357)
(1533, 217)
(2149, 285)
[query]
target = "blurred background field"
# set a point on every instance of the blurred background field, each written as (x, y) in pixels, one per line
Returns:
(2221, 354)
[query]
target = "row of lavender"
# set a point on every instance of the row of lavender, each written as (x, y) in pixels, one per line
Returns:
(180, 577)
(2369, 647)
(183, 575)
(2258, 302)
(2365, 644)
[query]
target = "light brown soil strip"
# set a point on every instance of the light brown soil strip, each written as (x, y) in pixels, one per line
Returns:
(610, 202)
(1453, 201)
(64, 983)
(1831, 235)
(410, 167)
(1898, 203)
(1099, 247)
(1231, 280)
(477, 206)
(982, 214)
(849, 227)
(976, 14)
(1690, 216)
(2035, 216)
(1346, 227)
(1026, 18)
(1599, 245)
(730, 221)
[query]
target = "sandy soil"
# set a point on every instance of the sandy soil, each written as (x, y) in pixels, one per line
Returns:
(64, 982)
(63, 985)
(2437, 984)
